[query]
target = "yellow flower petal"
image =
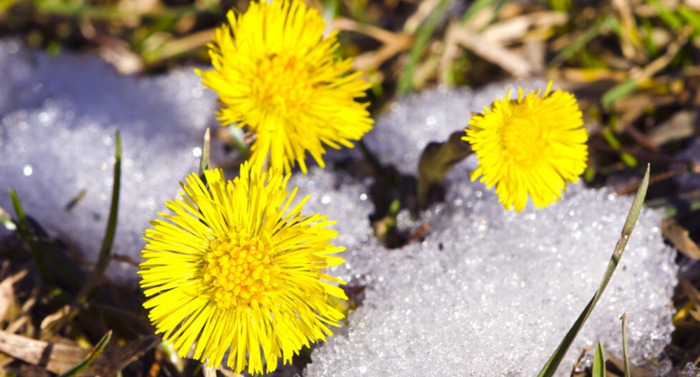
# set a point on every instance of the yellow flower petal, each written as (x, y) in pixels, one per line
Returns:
(278, 76)
(233, 269)
(530, 147)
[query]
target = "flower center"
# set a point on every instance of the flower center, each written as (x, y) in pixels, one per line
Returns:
(524, 139)
(283, 84)
(239, 271)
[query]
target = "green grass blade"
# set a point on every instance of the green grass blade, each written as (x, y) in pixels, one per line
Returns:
(74, 202)
(612, 140)
(114, 205)
(670, 18)
(106, 248)
(580, 42)
(625, 355)
(618, 92)
(421, 41)
(25, 233)
(598, 362)
(19, 211)
(553, 363)
(649, 44)
(331, 10)
(690, 16)
(91, 357)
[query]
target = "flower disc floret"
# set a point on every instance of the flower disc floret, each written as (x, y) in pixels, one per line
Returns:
(530, 146)
(238, 271)
(234, 268)
(277, 76)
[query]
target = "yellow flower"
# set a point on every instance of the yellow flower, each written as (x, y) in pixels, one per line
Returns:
(529, 146)
(277, 75)
(234, 267)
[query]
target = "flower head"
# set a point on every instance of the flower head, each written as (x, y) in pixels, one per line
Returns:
(234, 267)
(277, 76)
(529, 146)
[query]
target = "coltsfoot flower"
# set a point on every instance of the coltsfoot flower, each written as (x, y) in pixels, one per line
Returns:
(234, 268)
(277, 76)
(529, 146)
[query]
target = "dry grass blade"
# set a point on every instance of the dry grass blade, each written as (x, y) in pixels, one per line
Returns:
(371, 60)
(209, 371)
(177, 47)
(393, 43)
(206, 146)
(631, 43)
(518, 27)
(119, 54)
(491, 51)
(58, 317)
(662, 61)
(425, 8)
(377, 33)
(228, 373)
(7, 293)
(60, 358)
(612, 96)
(55, 357)
(625, 353)
(680, 238)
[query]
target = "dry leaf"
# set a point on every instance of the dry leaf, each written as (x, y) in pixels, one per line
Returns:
(679, 126)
